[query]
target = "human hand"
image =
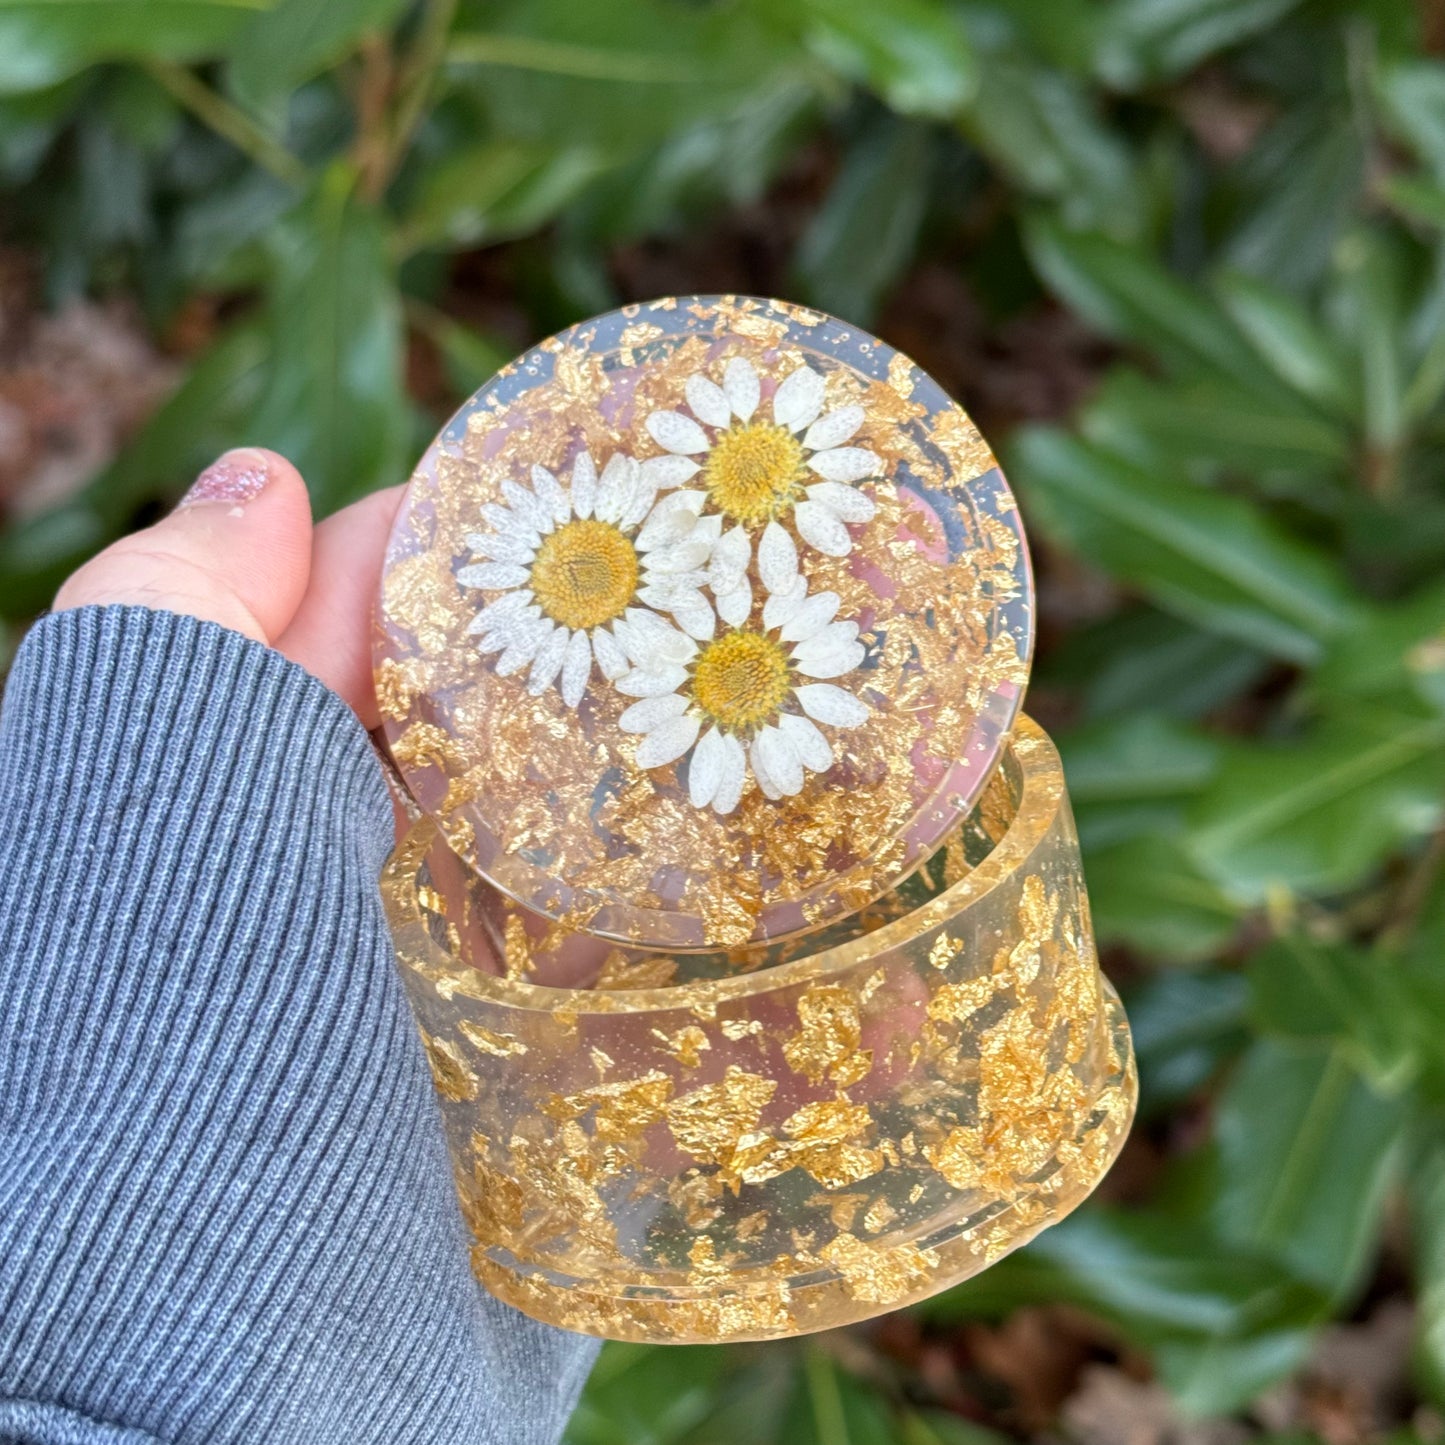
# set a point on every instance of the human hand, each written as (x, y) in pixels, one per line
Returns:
(240, 550)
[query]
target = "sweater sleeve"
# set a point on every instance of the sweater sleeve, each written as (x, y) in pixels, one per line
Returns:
(226, 1209)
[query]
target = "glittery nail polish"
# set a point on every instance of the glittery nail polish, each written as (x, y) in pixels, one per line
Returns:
(236, 477)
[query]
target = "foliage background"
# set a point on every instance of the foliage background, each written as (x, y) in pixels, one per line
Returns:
(1185, 262)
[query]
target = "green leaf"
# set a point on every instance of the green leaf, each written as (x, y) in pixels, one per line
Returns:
(1144, 756)
(1185, 1025)
(1042, 129)
(1337, 994)
(1147, 891)
(297, 39)
(1212, 559)
(1307, 1152)
(1217, 1377)
(862, 237)
(1152, 40)
(42, 42)
(912, 53)
(1324, 811)
(830, 1407)
(1390, 651)
(494, 190)
(1427, 1231)
(204, 416)
(471, 358)
(335, 403)
(1142, 660)
(1287, 336)
(1127, 294)
(1412, 97)
(1156, 1277)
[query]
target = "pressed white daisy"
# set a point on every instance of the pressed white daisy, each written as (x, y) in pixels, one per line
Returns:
(572, 563)
(757, 470)
(749, 700)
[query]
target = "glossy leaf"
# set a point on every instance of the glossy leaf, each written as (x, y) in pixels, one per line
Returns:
(42, 42)
(862, 237)
(296, 39)
(1210, 558)
(1155, 39)
(912, 53)
(334, 403)
(1306, 1153)
(1321, 812)
(1185, 1026)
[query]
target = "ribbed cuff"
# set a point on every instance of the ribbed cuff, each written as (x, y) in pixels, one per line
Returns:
(226, 1211)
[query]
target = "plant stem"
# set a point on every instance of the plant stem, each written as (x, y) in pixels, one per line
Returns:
(419, 77)
(228, 121)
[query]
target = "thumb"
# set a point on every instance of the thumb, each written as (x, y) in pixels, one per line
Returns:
(236, 551)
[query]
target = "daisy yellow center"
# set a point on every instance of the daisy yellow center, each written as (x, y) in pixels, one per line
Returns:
(753, 470)
(741, 680)
(584, 574)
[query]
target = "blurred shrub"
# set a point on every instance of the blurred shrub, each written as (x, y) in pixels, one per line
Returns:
(1245, 199)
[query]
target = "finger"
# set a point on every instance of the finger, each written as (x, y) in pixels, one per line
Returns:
(330, 634)
(236, 551)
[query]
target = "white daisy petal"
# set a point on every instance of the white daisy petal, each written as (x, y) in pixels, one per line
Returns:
(846, 464)
(666, 525)
(704, 769)
(822, 529)
(733, 550)
(708, 529)
(830, 635)
(676, 432)
(782, 760)
(652, 712)
(679, 556)
(507, 522)
(766, 781)
(492, 574)
(552, 493)
(609, 654)
(521, 652)
(814, 751)
(509, 605)
(835, 706)
(548, 662)
(834, 428)
(613, 488)
(777, 559)
(528, 506)
(731, 778)
(584, 484)
(847, 502)
(504, 631)
(831, 662)
(576, 669)
(662, 591)
(669, 470)
(798, 399)
(741, 386)
(781, 606)
(696, 619)
(736, 606)
(639, 683)
(667, 742)
(708, 401)
(639, 500)
(653, 637)
(814, 615)
(502, 547)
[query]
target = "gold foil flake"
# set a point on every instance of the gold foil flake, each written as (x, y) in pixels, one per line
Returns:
(708, 1122)
(517, 949)
(705, 1263)
(618, 972)
(424, 745)
(829, 1034)
(902, 375)
(698, 1198)
(622, 1110)
(501, 1046)
(452, 1075)
(943, 951)
(875, 1274)
(686, 1045)
(395, 689)
(879, 1216)
(493, 1204)
(736, 1030)
(752, 1225)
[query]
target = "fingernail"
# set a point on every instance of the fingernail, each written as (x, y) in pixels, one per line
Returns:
(235, 477)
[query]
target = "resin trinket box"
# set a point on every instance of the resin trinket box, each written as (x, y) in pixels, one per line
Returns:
(741, 912)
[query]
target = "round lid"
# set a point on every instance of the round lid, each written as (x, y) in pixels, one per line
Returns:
(703, 622)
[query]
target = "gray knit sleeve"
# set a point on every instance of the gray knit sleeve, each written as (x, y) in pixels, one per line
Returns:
(226, 1211)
